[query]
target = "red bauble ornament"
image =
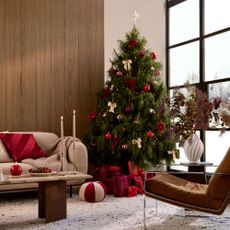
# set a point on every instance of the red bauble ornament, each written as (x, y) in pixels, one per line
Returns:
(141, 53)
(149, 134)
(108, 136)
(128, 109)
(106, 92)
(124, 146)
(111, 70)
(94, 145)
(16, 169)
(92, 116)
(119, 73)
(153, 56)
(133, 43)
(130, 83)
(147, 88)
(160, 126)
(115, 142)
(157, 72)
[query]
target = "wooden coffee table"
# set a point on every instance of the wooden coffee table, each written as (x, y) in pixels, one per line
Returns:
(52, 192)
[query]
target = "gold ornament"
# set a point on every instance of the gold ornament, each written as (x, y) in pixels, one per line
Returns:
(137, 142)
(173, 153)
(119, 117)
(112, 106)
(127, 64)
(136, 121)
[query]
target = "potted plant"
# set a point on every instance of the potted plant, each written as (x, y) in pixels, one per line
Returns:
(191, 110)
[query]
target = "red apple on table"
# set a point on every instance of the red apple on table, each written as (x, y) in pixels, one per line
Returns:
(16, 169)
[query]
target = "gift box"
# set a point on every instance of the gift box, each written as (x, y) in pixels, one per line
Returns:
(108, 182)
(121, 184)
(107, 171)
(132, 191)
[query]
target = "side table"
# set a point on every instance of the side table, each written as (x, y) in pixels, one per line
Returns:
(197, 167)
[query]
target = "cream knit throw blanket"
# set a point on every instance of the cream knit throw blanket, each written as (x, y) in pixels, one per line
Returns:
(54, 159)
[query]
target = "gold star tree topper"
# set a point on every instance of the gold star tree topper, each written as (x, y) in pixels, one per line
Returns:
(136, 15)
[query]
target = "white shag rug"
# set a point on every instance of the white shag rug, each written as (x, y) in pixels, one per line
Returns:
(21, 212)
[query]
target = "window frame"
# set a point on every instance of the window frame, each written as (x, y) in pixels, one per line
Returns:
(202, 84)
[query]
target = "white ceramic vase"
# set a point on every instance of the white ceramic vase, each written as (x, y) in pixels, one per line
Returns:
(193, 148)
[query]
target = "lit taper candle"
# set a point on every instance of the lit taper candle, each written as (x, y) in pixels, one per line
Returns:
(74, 127)
(62, 128)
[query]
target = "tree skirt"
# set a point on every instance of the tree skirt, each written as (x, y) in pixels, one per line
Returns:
(21, 212)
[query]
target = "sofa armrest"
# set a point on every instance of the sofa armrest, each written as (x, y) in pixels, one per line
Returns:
(78, 156)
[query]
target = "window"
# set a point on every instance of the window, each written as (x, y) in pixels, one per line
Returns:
(188, 28)
(216, 15)
(217, 50)
(184, 64)
(198, 48)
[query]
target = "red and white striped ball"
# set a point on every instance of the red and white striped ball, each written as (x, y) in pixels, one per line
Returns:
(92, 191)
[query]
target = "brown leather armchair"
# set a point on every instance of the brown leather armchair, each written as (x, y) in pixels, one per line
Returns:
(212, 198)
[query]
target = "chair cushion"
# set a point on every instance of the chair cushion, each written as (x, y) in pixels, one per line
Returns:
(219, 185)
(181, 190)
(21, 146)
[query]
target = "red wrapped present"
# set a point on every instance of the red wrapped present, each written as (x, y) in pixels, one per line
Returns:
(102, 172)
(133, 169)
(120, 185)
(108, 182)
(132, 191)
(113, 170)
(108, 171)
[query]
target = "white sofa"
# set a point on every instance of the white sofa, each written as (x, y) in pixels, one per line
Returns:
(78, 159)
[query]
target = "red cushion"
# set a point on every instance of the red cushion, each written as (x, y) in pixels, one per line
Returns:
(21, 146)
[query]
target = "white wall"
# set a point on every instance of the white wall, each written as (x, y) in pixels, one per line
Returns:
(118, 21)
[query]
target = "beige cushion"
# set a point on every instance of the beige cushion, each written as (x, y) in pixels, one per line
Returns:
(4, 156)
(45, 140)
(182, 190)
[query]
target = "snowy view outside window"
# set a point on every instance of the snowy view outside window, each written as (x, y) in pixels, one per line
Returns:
(188, 28)
(217, 51)
(184, 63)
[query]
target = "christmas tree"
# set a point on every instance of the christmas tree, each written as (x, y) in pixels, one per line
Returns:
(132, 118)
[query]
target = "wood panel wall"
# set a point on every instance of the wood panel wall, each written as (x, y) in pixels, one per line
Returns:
(51, 61)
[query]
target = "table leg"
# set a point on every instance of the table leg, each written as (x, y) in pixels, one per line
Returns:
(199, 178)
(52, 200)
